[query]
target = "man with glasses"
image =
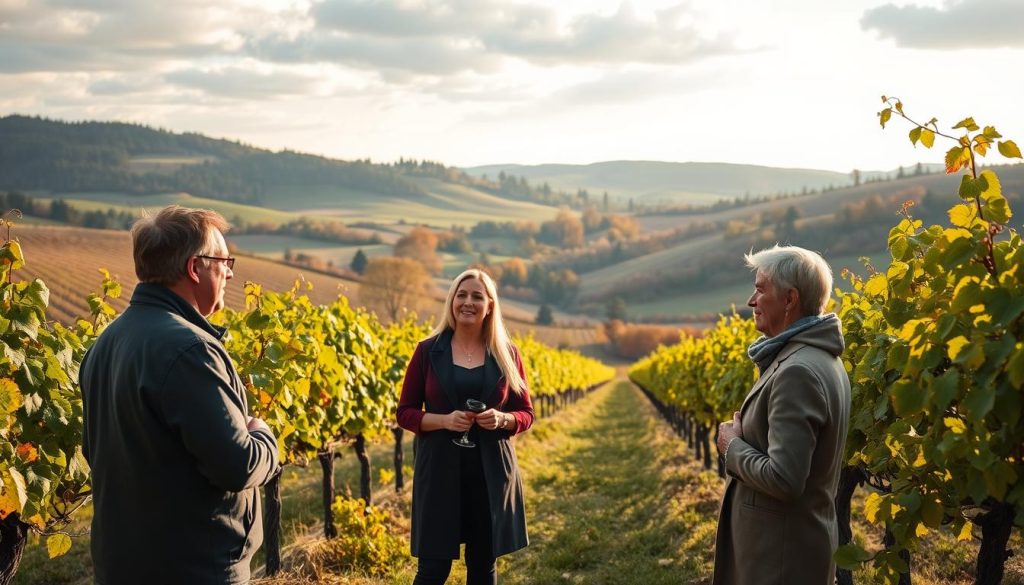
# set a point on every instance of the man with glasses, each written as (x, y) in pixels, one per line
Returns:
(176, 459)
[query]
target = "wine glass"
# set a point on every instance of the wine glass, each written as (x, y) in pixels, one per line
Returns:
(472, 405)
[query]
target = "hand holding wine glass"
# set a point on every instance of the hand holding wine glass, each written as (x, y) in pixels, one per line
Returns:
(474, 406)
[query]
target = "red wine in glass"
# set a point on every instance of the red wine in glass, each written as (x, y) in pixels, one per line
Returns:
(472, 405)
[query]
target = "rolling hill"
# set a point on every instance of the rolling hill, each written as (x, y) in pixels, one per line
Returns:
(115, 163)
(705, 271)
(653, 182)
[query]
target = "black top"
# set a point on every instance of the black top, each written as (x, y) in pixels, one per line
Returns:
(469, 383)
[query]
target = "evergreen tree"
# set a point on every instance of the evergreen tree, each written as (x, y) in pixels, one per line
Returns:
(544, 316)
(359, 262)
(617, 309)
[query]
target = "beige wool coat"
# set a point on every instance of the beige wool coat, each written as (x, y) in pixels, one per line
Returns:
(777, 524)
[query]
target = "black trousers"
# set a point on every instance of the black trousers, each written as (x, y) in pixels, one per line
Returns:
(475, 530)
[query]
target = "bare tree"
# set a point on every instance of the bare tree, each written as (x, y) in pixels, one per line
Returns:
(393, 285)
(420, 244)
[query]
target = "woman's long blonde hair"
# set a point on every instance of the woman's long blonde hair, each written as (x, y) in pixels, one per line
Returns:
(495, 334)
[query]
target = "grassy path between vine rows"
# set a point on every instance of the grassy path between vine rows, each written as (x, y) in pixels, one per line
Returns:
(613, 498)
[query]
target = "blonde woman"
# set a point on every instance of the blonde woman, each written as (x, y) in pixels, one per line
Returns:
(466, 490)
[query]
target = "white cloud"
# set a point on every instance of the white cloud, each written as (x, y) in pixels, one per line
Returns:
(246, 83)
(453, 36)
(789, 83)
(957, 25)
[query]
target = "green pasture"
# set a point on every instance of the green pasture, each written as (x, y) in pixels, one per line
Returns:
(445, 205)
(665, 260)
(719, 299)
(273, 247)
(136, 203)
(674, 198)
(698, 303)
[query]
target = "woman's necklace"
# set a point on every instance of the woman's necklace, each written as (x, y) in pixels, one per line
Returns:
(468, 353)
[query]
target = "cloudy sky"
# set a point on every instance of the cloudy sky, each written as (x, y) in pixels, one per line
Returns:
(792, 83)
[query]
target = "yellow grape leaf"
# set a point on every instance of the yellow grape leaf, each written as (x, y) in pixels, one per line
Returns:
(1009, 149)
(13, 494)
(920, 461)
(961, 215)
(265, 398)
(872, 504)
(10, 395)
(57, 545)
(966, 532)
(13, 255)
(955, 425)
(876, 285)
(927, 137)
(921, 530)
(992, 185)
(957, 158)
(956, 345)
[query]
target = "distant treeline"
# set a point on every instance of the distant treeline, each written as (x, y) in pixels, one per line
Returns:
(61, 211)
(303, 227)
(42, 154)
(748, 199)
(113, 219)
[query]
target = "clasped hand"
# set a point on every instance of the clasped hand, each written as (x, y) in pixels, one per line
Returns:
(461, 420)
(728, 431)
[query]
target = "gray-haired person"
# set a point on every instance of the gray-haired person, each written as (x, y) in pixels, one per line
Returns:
(176, 459)
(783, 450)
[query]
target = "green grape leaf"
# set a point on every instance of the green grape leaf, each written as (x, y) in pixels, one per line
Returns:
(851, 556)
(969, 188)
(979, 401)
(907, 397)
(931, 511)
(944, 388)
(1015, 366)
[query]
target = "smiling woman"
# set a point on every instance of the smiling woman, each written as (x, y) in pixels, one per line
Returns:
(466, 379)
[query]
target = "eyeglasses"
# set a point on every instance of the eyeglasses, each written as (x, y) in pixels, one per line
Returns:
(229, 261)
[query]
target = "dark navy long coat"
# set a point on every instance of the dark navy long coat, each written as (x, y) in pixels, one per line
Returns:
(429, 387)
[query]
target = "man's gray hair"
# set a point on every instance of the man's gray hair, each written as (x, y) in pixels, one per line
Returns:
(163, 243)
(794, 267)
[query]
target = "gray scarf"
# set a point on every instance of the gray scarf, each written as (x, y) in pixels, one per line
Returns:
(764, 350)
